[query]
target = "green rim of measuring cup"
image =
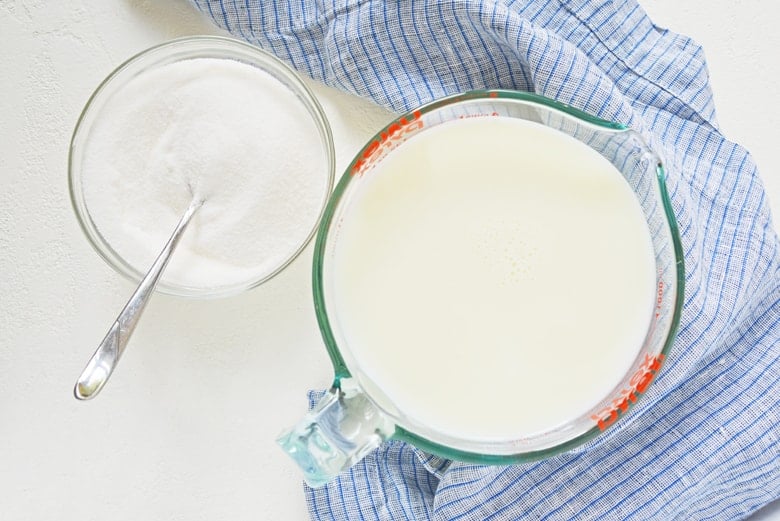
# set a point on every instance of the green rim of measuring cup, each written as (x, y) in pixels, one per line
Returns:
(340, 366)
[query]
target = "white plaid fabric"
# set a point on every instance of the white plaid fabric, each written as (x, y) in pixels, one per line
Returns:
(704, 443)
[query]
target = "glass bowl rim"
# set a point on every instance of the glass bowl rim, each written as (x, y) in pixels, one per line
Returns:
(270, 64)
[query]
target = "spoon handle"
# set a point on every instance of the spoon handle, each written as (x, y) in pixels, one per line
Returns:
(102, 364)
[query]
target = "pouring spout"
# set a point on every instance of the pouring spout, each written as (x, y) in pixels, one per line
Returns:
(343, 427)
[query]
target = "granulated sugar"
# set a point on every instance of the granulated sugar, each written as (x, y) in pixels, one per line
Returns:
(215, 129)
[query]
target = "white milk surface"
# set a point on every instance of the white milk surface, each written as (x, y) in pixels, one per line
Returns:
(494, 277)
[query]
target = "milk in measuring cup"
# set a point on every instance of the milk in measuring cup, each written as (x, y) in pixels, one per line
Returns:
(494, 278)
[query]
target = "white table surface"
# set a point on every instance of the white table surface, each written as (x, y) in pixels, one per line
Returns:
(186, 427)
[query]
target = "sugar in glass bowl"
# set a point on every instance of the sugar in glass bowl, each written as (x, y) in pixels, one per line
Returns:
(207, 117)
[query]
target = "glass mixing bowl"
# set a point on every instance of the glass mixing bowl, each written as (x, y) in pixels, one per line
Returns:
(172, 52)
(355, 415)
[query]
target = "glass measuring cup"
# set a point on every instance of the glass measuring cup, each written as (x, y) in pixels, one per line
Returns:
(356, 415)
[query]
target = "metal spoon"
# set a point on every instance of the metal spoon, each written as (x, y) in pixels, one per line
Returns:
(104, 361)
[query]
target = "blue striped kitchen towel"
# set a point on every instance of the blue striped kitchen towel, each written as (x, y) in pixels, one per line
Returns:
(705, 441)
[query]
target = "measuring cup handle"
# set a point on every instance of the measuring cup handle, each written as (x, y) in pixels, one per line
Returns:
(343, 427)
